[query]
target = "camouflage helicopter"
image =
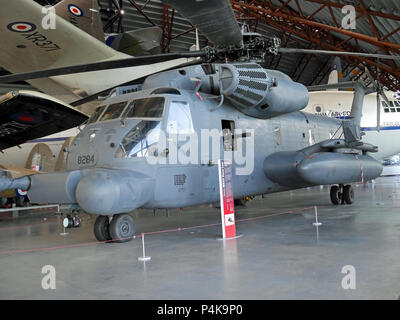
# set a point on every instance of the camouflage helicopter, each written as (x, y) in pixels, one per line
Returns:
(151, 148)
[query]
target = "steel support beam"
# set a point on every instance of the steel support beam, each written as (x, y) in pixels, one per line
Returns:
(323, 38)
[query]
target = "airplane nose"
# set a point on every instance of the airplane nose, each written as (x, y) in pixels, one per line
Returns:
(108, 192)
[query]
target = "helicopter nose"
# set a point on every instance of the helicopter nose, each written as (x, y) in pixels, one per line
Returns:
(108, 192)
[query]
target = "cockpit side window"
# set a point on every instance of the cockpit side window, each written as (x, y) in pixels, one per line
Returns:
(113, 111)
(95, 116)
(179, 118)
(140, 140)
(146, 108)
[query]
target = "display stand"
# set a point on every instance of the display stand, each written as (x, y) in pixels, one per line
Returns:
(144, 257)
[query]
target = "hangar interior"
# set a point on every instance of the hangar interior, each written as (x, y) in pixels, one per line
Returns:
(291, 245)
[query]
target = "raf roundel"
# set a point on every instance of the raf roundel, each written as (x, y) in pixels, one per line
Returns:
(21, 192)
(75, 10)
(21, 27)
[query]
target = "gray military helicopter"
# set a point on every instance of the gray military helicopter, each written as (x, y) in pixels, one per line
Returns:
(133, 151)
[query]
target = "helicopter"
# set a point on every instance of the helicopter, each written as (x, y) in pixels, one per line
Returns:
(158, 147)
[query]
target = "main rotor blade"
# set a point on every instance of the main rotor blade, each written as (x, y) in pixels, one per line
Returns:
(339, 53)
(339, 85)
(215, 19)
(97, 66)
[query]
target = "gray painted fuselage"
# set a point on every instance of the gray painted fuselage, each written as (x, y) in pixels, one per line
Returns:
(289, 132)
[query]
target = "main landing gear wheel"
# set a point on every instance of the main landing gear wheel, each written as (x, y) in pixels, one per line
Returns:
(336, 196)
(101, 228)
(122, 227)
(348, 194)
(342, 194)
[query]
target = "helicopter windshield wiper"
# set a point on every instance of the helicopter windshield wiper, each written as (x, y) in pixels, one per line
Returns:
(126, 113)
(123, 149)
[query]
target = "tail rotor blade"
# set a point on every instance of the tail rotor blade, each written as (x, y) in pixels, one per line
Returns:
(378, 112)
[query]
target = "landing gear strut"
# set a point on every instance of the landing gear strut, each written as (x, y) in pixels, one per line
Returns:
(121, 228)
(342, 194)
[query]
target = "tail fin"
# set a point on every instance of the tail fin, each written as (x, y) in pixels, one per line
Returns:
(336, 74)
(84, 14)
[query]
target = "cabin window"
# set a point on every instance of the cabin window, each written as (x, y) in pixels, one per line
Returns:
(146, 108)
(113, 111)
(140, 141)
(228, 135)
(179, 118)
(393, 107)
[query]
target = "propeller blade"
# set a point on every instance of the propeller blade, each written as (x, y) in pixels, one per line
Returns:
(339, 53)
(97, 66)
(215, 19)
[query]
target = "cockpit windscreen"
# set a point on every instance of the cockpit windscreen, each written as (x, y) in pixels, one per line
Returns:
(152, 107)
(113, 111)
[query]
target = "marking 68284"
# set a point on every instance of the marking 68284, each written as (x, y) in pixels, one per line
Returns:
(85, 159)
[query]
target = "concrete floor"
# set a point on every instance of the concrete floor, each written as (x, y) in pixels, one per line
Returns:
(277, 257)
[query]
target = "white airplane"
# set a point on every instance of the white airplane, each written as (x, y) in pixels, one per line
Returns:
(38, 154)
(76, 40)
(337, 104)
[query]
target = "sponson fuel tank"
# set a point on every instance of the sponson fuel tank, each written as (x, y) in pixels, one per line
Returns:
(107, 192)
(97, 191)
(296, 169)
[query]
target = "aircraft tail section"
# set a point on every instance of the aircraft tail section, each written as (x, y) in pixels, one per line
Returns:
(336, 74)
(84, 14)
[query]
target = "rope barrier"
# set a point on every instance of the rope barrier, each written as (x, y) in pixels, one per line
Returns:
(145, 233)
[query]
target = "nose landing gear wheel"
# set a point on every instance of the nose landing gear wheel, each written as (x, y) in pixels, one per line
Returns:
(122, 227)
(101, 228)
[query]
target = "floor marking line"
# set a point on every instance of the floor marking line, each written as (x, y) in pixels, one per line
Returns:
(146, 233)
(27, 225)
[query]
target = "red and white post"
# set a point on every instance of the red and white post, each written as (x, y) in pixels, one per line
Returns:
(226, 198)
